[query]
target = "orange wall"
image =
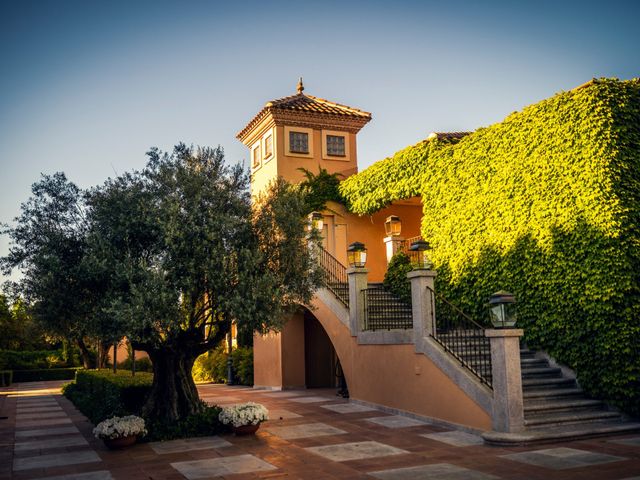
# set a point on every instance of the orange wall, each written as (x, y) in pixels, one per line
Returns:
(370, 230)
(293, 372)
(391, 375)
(397, 377)
(267, 368)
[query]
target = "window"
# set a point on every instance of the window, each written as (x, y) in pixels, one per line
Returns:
(255, 155)
(335, 145)
(298, 142)
(268, 146)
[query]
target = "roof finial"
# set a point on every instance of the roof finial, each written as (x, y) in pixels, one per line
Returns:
(300, 86)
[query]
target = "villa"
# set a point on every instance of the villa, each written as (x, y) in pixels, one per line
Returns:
(529, 205)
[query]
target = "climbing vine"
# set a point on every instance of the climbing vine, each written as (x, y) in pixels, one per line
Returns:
(545, 204)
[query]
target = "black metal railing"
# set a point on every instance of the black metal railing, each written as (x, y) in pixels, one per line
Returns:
(334, 275)
(461, 336)
(384, 311)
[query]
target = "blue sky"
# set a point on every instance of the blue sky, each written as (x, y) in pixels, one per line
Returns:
(86, 87)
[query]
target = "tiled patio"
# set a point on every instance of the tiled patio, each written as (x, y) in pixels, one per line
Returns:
(311, 435)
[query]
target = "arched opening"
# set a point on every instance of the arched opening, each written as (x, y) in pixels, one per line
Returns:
(319, 355)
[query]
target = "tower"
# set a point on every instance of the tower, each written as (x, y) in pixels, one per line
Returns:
(302, 131)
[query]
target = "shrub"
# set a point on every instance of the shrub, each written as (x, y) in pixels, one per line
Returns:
(101, 394)
(212, 366)
(201, 424)
(142, 365)
(32, 360)
(395, 279)
(45, 374)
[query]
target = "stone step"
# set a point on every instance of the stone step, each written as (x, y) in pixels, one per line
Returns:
(536, 383)
(552, 393)
(558, 418)
(569, 405)
(533, 362)
(538, 372)
(562, 433)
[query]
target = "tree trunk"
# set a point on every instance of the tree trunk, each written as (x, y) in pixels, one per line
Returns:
(84, 352)
(173, 393)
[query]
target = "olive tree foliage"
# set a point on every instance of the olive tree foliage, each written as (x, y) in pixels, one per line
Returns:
(188, 254)
(48, 246)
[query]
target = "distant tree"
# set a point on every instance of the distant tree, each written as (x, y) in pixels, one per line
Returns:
(188, 255)
(48, 247)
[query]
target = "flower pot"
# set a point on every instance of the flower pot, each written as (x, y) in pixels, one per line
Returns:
(246, 429)
(118, 443)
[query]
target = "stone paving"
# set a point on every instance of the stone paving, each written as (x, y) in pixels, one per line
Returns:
(311, 435)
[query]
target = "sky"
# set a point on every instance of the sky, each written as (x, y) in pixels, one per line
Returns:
(87, 86)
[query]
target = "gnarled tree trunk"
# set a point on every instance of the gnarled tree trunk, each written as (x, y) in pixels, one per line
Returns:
(173, 394)
(84, 352)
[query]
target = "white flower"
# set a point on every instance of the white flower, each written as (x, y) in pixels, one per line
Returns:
(244, 414)
(118, 427)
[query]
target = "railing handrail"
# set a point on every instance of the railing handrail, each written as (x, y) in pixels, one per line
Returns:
(456, 309)
(334, 272)
(458, 339)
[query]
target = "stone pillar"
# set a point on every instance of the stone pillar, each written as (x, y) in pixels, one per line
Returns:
(421, 305)
(392, 245)
(357, 283)
(508, 408)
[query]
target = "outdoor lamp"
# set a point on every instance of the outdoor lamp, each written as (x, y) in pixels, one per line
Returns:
(316, 221)
(502, 309)
(392, 226)
(357, 254)
(419, 255)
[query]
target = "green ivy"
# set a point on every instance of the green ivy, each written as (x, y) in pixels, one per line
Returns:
(545, 204)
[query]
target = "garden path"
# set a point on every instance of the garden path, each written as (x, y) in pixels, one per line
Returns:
(311, 435)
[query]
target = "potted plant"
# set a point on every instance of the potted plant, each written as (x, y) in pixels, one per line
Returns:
(120, 432)
(245, 418)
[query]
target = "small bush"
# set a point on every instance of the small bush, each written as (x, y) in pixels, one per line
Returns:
(212, 366)
(101, 394)
(395, 280)
(142, 365)
(34, 360)
(45, 374)
(202, 424)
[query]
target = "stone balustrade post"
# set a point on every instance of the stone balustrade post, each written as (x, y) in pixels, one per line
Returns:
(358, 281)
(508, 407)
(422, 305)
(392, 246)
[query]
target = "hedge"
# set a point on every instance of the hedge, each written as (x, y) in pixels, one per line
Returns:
(45, 374)
(100, 394)
(545, 204)
(38, 359)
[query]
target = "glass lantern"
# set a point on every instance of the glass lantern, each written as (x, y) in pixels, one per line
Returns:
(502, 309)
(419, 253)
(392, 226)
(357, 255)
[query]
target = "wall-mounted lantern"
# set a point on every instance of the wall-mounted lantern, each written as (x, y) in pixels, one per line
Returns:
(357, 255)
(419, 254)
(393, 226)
(316, 221)
(502, 309)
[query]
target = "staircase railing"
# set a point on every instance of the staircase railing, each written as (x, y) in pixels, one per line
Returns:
(406, 243)
(383, 311)
(334, 275)
(461, 336)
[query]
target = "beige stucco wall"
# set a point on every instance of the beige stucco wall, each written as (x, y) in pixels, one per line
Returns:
(292, 345)
(267, 366)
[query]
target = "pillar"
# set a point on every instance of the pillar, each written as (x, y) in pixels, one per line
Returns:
(508, 407)
(392, 246)
(358, 281)
(422, 306)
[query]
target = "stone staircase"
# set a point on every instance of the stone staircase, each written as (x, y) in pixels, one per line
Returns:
(557, 409)
(385, 311)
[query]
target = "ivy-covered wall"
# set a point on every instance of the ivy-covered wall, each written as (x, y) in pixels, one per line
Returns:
(545, 204)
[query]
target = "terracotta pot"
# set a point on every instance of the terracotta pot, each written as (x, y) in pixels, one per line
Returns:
(246, 429)
(118, 443)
